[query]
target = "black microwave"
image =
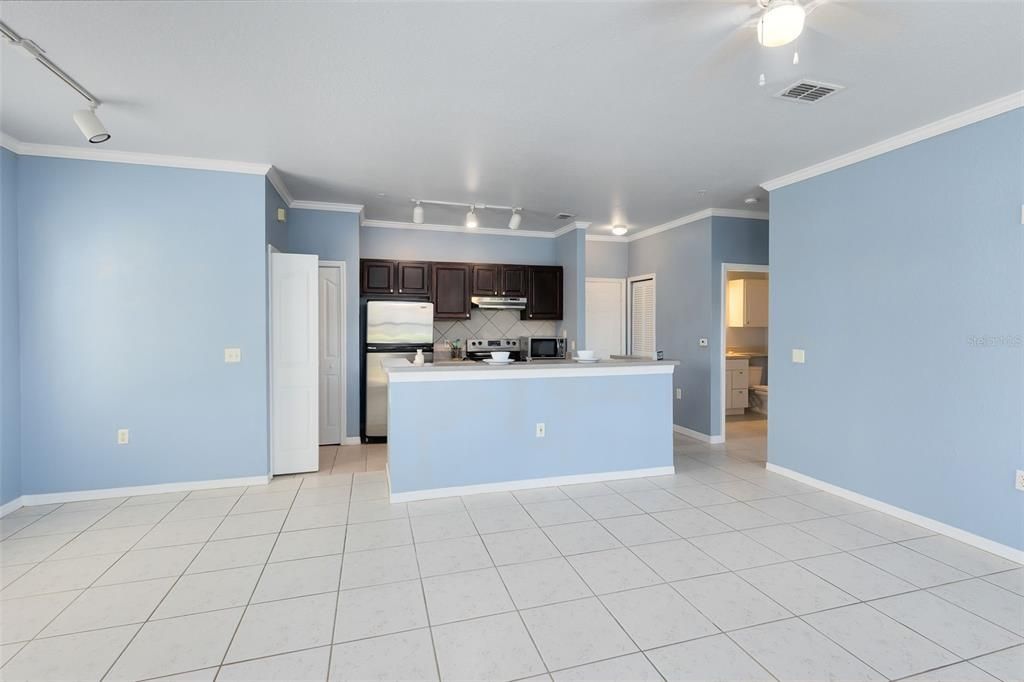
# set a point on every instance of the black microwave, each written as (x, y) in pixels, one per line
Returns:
(542, 347)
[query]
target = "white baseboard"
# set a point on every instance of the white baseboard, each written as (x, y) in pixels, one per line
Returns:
(504, 486)
(130, 491)
(14, 505)
(698, 435)
(964, 536)
(352, 440)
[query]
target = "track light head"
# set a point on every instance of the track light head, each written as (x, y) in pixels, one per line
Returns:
(417, 213)
(91, 126)
(515, 220)
(471, 220)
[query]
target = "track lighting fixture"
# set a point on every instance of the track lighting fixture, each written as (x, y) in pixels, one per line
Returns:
(619, 230)
(417, 213)
(91, 126)
(515, 220)
(86, 119)
(471, 220)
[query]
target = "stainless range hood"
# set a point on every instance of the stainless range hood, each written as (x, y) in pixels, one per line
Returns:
(499, 302)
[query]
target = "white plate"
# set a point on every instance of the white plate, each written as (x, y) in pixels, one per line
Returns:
(492, 361)
(587, 361)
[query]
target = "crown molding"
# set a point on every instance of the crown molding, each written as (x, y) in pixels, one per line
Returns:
(943, 125)
(136, 158)
(282, 189)
(607, 238)
(9, 143)
(679, 222)
(324, 206)
(428, 227)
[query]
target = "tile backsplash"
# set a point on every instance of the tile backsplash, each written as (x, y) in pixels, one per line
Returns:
(491, 324)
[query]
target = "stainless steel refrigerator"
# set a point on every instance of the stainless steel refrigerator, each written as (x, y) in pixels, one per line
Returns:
(395, 330)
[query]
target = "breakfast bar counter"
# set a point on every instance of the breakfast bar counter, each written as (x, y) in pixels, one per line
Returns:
(462, 428)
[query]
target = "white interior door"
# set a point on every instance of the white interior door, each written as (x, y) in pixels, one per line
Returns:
(332, 353)
(606, 316)
(293, 363)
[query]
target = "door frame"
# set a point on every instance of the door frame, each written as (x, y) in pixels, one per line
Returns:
(629, 310)
(726, 269)
(343, 335)
(623, 315)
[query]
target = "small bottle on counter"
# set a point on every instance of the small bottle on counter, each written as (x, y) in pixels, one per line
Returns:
(419, 359)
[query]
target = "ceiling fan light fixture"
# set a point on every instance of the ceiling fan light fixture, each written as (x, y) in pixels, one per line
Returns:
(781, 23)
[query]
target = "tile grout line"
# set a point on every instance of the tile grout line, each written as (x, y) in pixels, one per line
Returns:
(341, 571)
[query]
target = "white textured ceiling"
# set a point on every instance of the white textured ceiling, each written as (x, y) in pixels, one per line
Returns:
(616, 112)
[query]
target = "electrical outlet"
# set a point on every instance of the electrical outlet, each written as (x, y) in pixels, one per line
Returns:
(679, 394)
(540, 429)
(232, 355)
(1019, 480)
(122, 436)
(702, 342)
(798, 356)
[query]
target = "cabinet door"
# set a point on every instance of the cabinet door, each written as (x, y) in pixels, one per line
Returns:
(544, 300)
(451, 291)
(513, 280)
(377, 277)
(755, 298)
(485, 280)
(413, 278)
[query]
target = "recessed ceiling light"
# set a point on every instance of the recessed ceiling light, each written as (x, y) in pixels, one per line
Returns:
(751, 200)
(619, 230)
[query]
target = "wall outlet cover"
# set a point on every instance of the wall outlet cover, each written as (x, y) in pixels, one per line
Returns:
(798, 356)
(122, 436)
(232, 355)
(1019, 480)
(540, 429)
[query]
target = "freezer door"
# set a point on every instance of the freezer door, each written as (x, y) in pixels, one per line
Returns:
(405, 322)
(377, 388)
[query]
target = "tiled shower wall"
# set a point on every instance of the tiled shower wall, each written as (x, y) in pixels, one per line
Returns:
(491, 324)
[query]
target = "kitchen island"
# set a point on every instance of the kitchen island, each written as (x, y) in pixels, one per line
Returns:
(463, 428)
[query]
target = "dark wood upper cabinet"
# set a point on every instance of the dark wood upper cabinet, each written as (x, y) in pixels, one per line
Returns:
(451, 288)
(413, 278)
(377, 277)
(513, 281)
(485, 280)
(544, 300)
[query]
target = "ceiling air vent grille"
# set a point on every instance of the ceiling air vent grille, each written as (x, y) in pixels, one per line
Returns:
(808, 91)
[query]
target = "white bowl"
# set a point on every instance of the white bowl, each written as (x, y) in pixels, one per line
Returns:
(585, 354)
(499, 355)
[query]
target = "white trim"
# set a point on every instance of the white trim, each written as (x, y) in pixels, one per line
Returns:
(131, 491)
(964, 536)
(343, 325)
(433, 227)
(629, 310)
(326, 206)
(726, 269)
(137, 158)
(408, 375)
(504, 486)
(697, 435)
(12, 506)
(694, 217)
(943, 125)
(607, 238)
(274, 176)
(351, 440)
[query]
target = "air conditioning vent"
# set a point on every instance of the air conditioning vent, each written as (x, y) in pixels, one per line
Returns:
(565, 216)
(808, 91)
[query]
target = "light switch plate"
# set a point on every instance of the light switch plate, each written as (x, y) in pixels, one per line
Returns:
(798, 355)
(1018, 480)
(540, 429)
(703, 342)
(232, 355)
(679, 394)
(122, 436)
(282, 215)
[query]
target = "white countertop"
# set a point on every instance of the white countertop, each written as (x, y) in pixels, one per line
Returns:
(536, 369)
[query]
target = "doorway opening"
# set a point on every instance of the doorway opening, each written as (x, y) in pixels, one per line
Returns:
(744, 362)
(606, 316)
(641, 314)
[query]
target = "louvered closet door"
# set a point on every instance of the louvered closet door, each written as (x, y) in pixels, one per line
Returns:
(641, 322)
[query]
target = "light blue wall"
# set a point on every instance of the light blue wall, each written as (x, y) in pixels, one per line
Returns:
(133, 279)
(608, 259)
(277, 233)
(888, 272)
(570, 253)
(10, 373)
(584, 420)
(733, 240)
(335, 235)
(459, 247)
(681, 259)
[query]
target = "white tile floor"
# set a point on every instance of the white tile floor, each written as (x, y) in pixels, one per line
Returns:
(721, 572)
